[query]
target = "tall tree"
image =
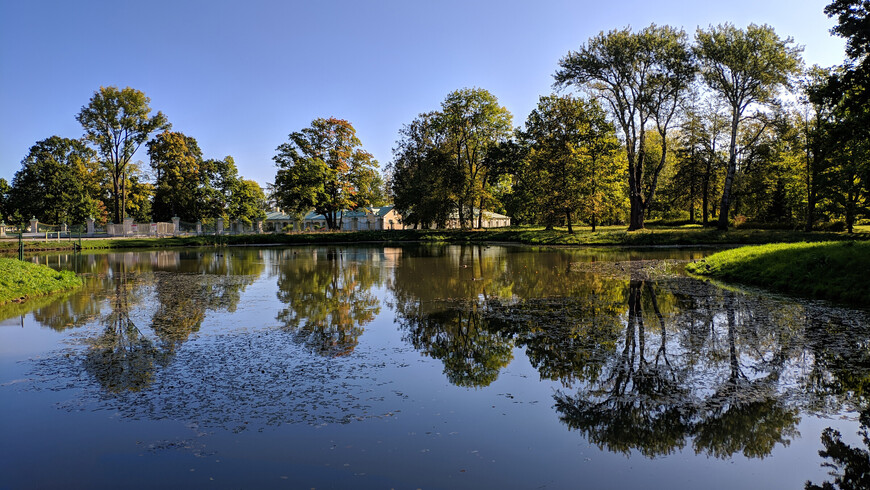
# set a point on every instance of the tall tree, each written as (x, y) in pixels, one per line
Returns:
(247, 202)
(178, 168)
(52, 182)
(746, 68)
(421, 181)
(640, 77)
(853, 24)
(320, 167)
(817, 120)
(117, 122)
(473, 122)
(571, 151)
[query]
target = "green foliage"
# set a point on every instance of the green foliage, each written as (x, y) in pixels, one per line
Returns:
(181, 180)
(117, 122)
(745, 68)
(422, 182)
(472, 122)
(828, 270)
(571, 166)
(325, 168)
(441, 165)
(55, 183)
(20, 280)
(5, 203)
(641, 78)
(248, 202)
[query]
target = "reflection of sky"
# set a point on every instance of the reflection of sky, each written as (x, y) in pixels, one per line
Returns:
(241, 402)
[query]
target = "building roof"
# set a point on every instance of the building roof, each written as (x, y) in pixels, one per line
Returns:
(278, 216)
(379, 212)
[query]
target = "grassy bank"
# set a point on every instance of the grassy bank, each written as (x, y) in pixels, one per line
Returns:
(836, 271)
(615, 235)
(22, 280)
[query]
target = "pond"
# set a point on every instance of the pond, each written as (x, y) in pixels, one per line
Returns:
(426, 366)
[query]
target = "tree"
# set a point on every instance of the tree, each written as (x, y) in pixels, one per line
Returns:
(52, 182)
(178, 167)
(571, 152)
(321, 167)
(641, 77)
(746, 68)
(5, 205)
(473, 122)
(220, 184)
(117, 122)
(247, 202)
(853, 24)
(422, 182)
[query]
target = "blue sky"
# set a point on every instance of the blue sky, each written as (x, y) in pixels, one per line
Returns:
(240, 76)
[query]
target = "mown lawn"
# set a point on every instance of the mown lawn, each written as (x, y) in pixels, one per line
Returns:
(21, 280)
(610, 235)
(836, 271)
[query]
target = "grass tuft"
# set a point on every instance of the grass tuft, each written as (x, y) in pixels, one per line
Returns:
(836, 271)
(21, 280)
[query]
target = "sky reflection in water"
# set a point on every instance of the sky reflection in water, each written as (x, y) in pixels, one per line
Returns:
(430, 366)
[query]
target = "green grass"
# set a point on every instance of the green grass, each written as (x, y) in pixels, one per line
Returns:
(609, 235)
(21, 280)
(836, 271)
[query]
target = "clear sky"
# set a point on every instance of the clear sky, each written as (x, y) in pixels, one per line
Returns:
(239, 76)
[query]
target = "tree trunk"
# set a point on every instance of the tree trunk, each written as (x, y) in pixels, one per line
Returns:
(692, 187)
(568, 220)
(479, 214)
(705, 197)
(635, 188)
(593, 221)
(729, 177)
(637, 215)
(116, 197)
(123, 196)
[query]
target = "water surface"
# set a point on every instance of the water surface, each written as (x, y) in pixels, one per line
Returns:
(423, 367)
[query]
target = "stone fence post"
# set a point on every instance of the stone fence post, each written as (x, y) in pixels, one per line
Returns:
(258, 227)
(90, 224)
(34, 225)
(176, 222)
(2, 228)
(199, 227)
(219, 226)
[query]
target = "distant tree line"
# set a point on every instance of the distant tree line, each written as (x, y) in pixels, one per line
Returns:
(725, 128)
(65, 180)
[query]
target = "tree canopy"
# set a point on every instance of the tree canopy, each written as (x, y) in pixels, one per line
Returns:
(117, 122)
(640, 77)
(744, 67)
(325, 168)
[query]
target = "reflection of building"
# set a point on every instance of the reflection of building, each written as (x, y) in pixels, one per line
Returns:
(368, 218)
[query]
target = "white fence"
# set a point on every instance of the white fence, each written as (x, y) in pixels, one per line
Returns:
(140, 229)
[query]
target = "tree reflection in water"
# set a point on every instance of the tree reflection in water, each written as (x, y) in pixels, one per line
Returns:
(123, 357)
(699, 393)
(328, 296)
(646, 364)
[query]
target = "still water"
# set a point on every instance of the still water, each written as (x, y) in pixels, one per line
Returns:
(425, 367)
